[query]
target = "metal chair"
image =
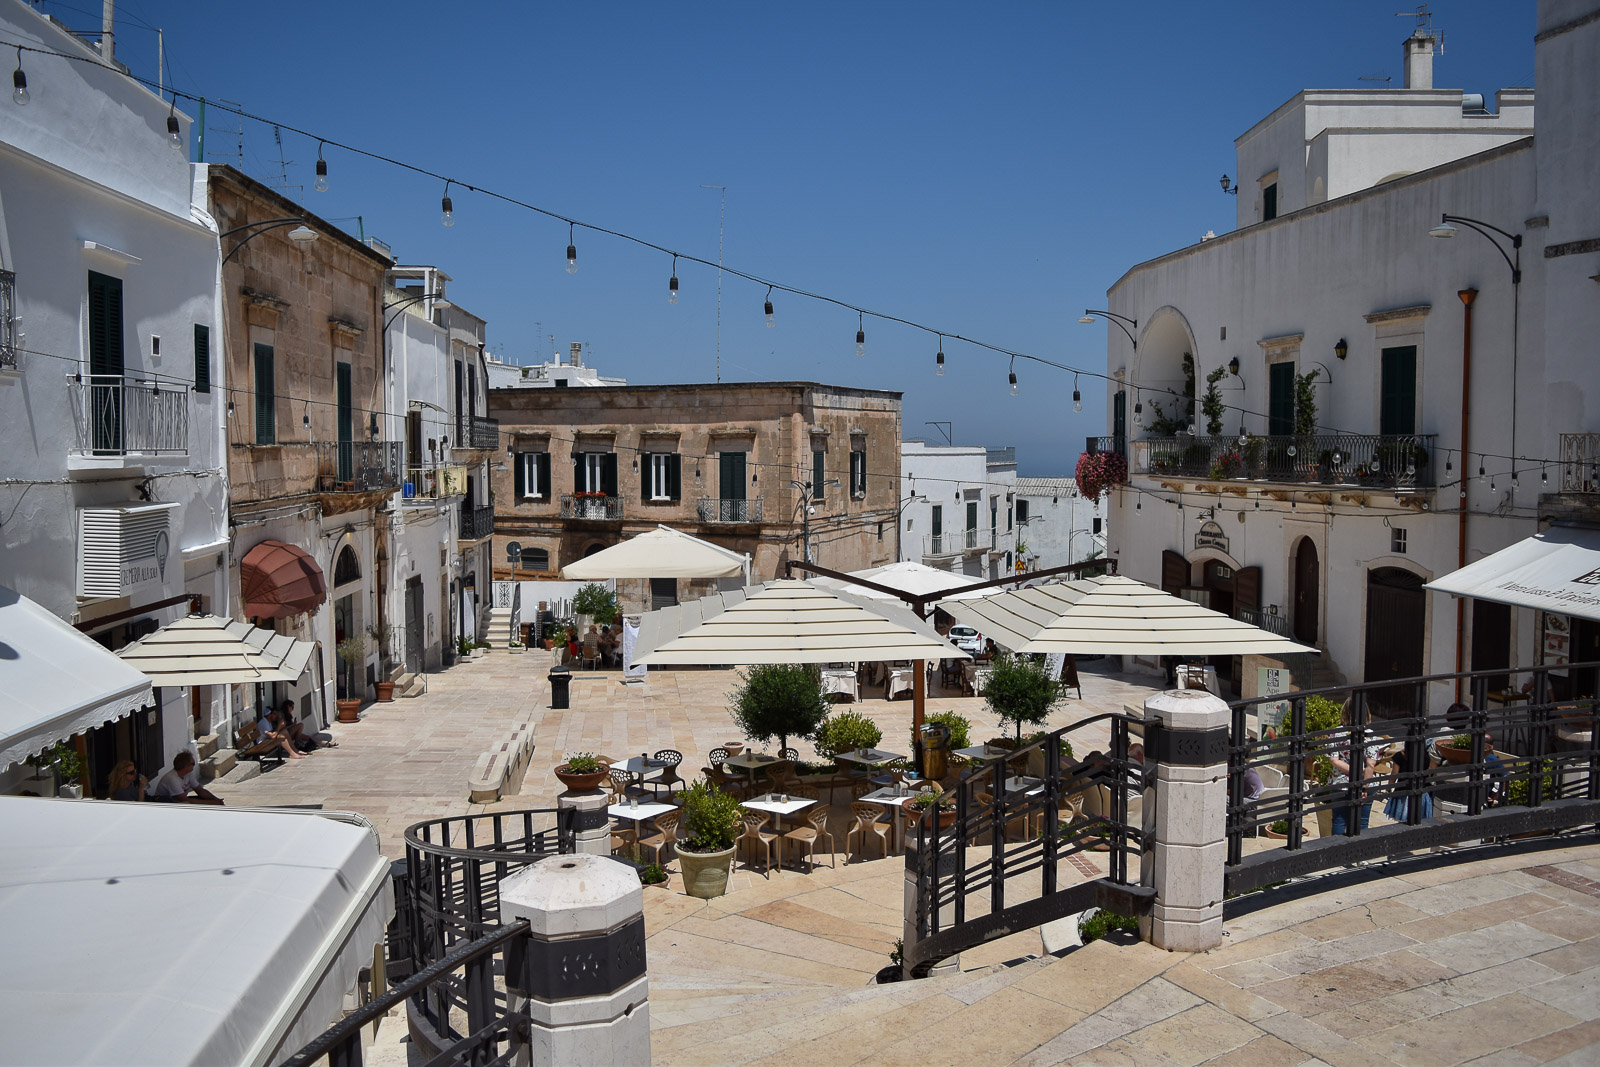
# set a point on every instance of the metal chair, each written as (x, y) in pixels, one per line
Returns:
(791, 754)
(669, 774)
(591, 651)
(621, 781)
(810, 835)
(717, 757)
(756, 835)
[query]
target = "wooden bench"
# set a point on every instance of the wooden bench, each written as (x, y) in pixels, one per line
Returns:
(248, 747)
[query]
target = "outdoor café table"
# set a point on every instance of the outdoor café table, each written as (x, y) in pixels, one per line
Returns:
(869, 756)
(779, 808)
(640, 811)
(842, 680)
(984, 752)
(891, 797)
(748, 763)
(975, 676)
(639, 766)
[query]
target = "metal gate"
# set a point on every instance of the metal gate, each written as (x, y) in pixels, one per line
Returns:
(414, 617)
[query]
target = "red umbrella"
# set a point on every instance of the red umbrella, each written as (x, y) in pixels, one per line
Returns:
(278, 580)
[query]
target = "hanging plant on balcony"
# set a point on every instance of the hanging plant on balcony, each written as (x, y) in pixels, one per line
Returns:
(1305, 403)
(1211, 402)
(1100, 471)
(1226, 465)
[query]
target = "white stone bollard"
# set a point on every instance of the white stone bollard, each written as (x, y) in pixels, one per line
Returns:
(583, 980)
(591, 822)
(1186, 746)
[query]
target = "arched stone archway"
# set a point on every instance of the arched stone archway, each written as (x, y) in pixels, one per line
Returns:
(1159, 373)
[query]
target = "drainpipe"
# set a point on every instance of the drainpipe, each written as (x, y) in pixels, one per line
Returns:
(1467, 297)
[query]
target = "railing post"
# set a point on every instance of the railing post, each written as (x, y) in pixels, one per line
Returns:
(928, 869)
(1187, 748)
(582, 982)
(590, 822)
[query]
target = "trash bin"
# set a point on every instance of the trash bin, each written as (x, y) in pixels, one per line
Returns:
(560, 680)
(935, 750)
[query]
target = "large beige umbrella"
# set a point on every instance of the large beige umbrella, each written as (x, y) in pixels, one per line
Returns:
(909, 576)
(660, 553)
(1014, 618)
(1118, 616)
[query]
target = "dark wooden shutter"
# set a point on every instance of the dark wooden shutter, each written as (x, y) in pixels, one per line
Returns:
(266, 398)
(675, 476)
(1280, 399)
(520, 476)
(731, 481)
(1397, 412)
(608, 474)
(1247, 589)
(818, 476)
(580, 472)
(1174, 572)
(202, 358)
(646, 476)
(105, 324)
(542, 475)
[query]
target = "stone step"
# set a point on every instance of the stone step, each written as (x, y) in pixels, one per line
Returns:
(218, 763)
(409, 685)
(207, 745)
(242, 772)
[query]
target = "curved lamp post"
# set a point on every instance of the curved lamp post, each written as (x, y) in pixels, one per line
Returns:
(1088, 317)
(401, 305)
(301, 234)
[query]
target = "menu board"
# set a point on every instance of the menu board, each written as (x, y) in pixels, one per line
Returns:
(1555, 645)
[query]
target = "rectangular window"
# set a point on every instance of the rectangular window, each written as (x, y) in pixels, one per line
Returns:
(1269, 202)
(533, 476)
(819, 472)
(1397, 411)
(1022, 512)
(938, 519)
(266, 398)
(730, 470)
(1397, 541)
(1280, 399)
(972, 514)
(105, 362)
(202, 358)
(1096, 527)
(596, 473)
(858, 473)
(1011, 511)
(662, 476)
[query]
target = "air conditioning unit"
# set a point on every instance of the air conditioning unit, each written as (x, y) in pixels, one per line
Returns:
(122, 550)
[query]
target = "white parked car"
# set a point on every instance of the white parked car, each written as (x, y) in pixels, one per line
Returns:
(967, 639)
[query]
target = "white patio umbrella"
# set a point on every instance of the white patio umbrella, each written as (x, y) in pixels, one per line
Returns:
(208, 650)
(909, 576)
(1119, 616)
(660, 553)
(1014, 618)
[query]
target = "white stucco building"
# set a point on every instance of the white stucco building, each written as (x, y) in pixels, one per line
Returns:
(113, 505)
(1055, 524)
(957, 508)
(554, 374)
(1326, 522)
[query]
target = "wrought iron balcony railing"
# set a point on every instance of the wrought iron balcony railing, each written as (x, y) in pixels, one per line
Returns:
(1580, 463)
(941, 545)
(480, 432)
(974, 541)
(1273, 623)
(8, 320)
(357, 466)
(715, 510)
(591, 507)
(121, 415)
(1380, 461)
(1109, 443)
(434, 483)
(476, 523)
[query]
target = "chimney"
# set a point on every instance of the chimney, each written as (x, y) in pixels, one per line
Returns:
(1419, 60)
(577, 353)
(108, 40)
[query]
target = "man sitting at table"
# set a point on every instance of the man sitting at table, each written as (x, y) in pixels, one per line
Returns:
(183, 783)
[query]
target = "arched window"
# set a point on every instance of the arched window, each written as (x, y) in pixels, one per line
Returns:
(346, 568)
(536, 559)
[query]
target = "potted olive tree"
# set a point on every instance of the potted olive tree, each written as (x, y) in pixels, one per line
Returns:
(779, 700)
(1020, 691)
(709, 829)
(353, 651)
(384, 636)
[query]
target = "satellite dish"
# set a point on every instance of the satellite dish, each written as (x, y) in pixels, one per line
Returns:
(514, 550)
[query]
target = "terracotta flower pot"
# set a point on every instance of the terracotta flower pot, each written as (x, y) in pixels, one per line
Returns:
(733, 747)
(348, 709)
(1451, 754)
(585, 782)
(385, 691)
(705, 874)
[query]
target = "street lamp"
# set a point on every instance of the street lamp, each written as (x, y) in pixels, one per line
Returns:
(401, 305)
(1088, 317)
(300, 235)
(1445, 231)
(805, 513)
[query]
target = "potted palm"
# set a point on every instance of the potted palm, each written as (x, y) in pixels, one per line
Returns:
(582, 772)
(384, 636)
(710, 826)
(353, 651)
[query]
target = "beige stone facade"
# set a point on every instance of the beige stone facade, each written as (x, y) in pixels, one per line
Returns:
(589, 468)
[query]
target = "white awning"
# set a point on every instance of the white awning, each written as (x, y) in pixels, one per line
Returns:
(55, 681)
(1014, 618)
(660, 553)
(181, 934)
(790, 621)
(208, 650)
(1556, 571)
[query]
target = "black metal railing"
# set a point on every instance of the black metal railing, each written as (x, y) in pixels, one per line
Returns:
(494, 1034)
(970, 866)
(714, 509)
(480, 432)
(593, 507)
(1580, 463)
(942, 544)
(1445, 770)
(1108, 443)
(8, 320)
(1270, 621)
(476, 523)
(358, 466)
(124, 414)
(1379, 461)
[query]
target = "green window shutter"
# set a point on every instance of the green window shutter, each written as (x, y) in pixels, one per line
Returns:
(105, 324)
(520, 477)
(675, 476)
(818, 469)
(1280, 402)
(731, 482)
(266, 398)
(1397, 413)
(646, 475)
(608, 474)
(202, 358)
(542, 475)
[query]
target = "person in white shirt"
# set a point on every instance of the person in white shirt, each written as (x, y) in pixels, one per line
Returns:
(183, 782)
(270, 731)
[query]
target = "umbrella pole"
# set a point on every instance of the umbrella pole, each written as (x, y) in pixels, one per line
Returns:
(919, 696)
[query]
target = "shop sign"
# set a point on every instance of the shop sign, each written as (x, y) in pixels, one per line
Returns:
(1210, 535)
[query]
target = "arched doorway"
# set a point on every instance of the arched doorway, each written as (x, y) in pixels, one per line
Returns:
(347, 621)
(1396, 633)
(1307, 599)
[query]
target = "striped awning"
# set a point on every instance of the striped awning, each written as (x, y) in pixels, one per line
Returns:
(207, 650)
(278, 580)
(1014, 618)
(787, 621)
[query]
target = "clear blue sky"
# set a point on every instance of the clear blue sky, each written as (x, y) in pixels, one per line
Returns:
(988, 169)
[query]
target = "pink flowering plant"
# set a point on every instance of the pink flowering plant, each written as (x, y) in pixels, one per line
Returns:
(1099, 471)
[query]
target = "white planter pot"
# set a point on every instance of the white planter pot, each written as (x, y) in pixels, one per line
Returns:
(71, 792)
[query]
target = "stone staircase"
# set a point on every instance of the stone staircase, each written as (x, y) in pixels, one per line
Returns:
(497, 631)
(214, 761)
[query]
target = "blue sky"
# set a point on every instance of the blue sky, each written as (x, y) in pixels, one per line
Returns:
(986, 169)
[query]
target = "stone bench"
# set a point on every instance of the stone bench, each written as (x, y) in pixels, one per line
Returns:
(500, 770)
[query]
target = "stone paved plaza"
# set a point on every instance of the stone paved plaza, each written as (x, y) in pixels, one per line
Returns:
(1488, 956)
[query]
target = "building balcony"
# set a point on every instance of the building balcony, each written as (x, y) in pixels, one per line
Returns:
(1109, 443)
(1375, 461)
(591, 507)
(941, 545)
(1580, 463)
(358, 466)
(434, 483)
(1270, 621)
(974, 541)
(122, 417)
(713, 510)
(476, 523)
(479, 432)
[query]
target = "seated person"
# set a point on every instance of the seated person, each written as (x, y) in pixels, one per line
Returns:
(271, 732)
(990, 649)
(297, 735)
(183, 782)
(125, 783)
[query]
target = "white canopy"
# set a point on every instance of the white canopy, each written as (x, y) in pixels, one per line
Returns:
(908, 576)
(1014, 618)
(1118, 616)
(660, 553)
(207, 650)
(1556, 571)
(180, 934)
(788, 621)
(56, 682)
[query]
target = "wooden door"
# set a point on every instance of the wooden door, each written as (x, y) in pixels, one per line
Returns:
(1396, 622)
(1307, 601)
(1174, 572)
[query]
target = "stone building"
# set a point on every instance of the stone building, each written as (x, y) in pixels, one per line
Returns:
(732, 463)
(314, 453)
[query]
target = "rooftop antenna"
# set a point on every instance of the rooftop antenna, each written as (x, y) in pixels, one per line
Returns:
(283, 167)
(1379, 77)
(944, 428)
(722, 218)
(1424, 22)
(235, 113)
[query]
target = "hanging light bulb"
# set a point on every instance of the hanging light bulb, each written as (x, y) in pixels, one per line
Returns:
(861, 335)
(1138, 503)
(1244, 438)
(672, 283)
(572, 252)
(230, 409)
(1515, 483)
(1544, 476)
(938, 359)
(1480, 472)
(1077, 397)
(1138, 413)
(322, 171)
(767, 310)
(19, 84)
(1191, 428)
(1013, 376)
(1448, 466)
(174, 131)
(448, 218)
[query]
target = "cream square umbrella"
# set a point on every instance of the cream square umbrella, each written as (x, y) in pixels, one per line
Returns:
(1118, 616)
(660, 553)
(1014, 618)
(909, 576)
